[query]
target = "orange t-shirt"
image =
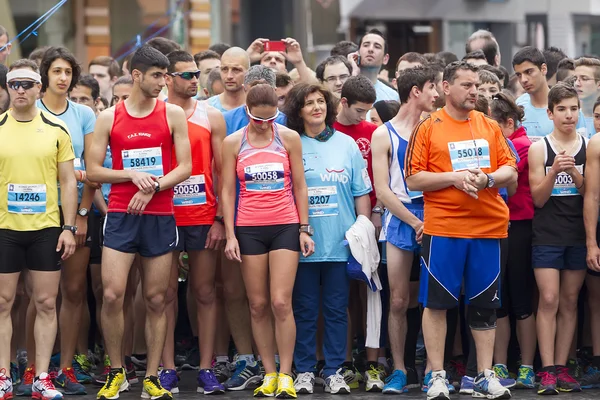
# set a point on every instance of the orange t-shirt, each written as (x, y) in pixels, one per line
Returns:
(442, 144)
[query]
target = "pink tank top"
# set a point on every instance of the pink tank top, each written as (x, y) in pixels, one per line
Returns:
(264, 174)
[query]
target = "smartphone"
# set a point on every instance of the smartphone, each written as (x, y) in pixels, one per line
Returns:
(358, 60)
(275, 46)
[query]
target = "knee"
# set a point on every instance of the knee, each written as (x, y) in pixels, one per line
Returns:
(282, 307)
(398, 303)
(73, 292)
(205, 294)
(113, 296)
(45, 303)
(5, 305)
(548, 301)
(481, 319)
(259, 308)
(234, 293)
(155, 302)
(569, 301)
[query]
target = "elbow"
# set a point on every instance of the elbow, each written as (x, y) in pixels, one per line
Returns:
(513, 178)
(186, 169)
(412, 183)
(92, 173)
(537, 202)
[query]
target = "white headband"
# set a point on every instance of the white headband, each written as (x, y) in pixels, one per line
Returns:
(23, 73)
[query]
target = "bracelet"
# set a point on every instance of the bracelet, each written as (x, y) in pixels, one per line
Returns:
(582, 183)
(83, 176)
(80, 176)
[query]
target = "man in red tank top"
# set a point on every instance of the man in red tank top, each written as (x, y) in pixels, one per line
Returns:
(141, 132)
(198, 217)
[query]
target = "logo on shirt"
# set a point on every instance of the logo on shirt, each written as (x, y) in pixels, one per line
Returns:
(133, 135)
(334, 175)
(451, 146)
(364, 145)
(11, 188)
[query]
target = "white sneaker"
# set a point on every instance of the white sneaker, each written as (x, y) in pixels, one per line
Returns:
(438, 386)
(336, 384)
(305, 383)
(6, 387)
(492, 389)
(374, 382)
(43, 389)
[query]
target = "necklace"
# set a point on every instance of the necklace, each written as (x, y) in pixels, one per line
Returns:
(561, 148)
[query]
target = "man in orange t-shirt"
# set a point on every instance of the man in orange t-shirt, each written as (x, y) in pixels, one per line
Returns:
(459, 158)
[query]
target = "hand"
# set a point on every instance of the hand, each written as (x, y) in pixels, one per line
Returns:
(138, 203)
(307, 245)
(464, 181)
(479, 178)
(93, 185)
(418, 227)
(67, 243)
(215, 237)
(353, 59)
(376, 221)
(143, 180)
(593, 258)
(294, 52)
(256, 49)
(563, 162)
(232, 250)
(82, 226)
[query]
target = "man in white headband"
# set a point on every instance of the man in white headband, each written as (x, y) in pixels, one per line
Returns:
(36, 153)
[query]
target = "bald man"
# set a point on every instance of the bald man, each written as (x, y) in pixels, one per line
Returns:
(234, 64)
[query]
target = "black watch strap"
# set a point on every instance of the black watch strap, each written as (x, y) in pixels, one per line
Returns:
(220, 219)
(70, 228)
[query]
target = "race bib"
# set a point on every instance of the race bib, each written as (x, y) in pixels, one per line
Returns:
(564, 185)
(26, 199)
(322, 201)
(264, 177)
(143, 160)
(469, 154)
(191, 192)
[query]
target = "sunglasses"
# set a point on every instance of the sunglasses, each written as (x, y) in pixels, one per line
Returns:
(263, 120)
(15, 85)
(188, 76)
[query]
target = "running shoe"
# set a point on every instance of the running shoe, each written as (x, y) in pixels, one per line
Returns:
(82, 375)
(43, 389)
(565, 381)
(6, 386)
(208, 383)
(15, 376)
(268, 387)
(84, 362)
(153, 390)
(351, 376)
(427, 379)
(455, 370)
(374, 382)
(222, 371)
(548, 383)
(305, 383)
(487, 386)
(192, 360)
(412, 378)
(116, 382)
(67, 382)
(101, 379)
(466, 385)
(575, 368)
(438, 386)
(336, 384)
(502, 374)
(169, 380)
(140, 365)
(285, 387)
(591, 378)
(395, 383)
(132, 377)
(319, 377)
(526, 378)
(243, 376)
(25, 388)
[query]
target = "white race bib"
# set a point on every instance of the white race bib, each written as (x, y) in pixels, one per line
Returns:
(26, 199)
(143, 160)
(191, 192)
(322, 201)
(469, 154)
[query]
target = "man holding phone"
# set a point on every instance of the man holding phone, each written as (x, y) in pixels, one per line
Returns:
(274, 54)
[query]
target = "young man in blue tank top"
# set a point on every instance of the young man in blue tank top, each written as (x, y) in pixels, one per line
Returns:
(403, 224)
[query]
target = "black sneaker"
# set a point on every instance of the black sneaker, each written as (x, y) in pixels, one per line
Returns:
(412, 379)
(192, 361)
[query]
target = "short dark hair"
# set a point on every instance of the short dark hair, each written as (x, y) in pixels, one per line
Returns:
(3, 72)
(553, 55)
(53, 54)
(411, 77)
(378, 33)
(506, 74)
(206, 55)
(482, 104)
(124, 80)
(90, 82)
(452, 68)
(38, 53)
(220, 48)
(163, 45)
(446, 57)
(488, 77)
(147, 57)
(178, 56)
(343, 48)
(504, 107)
(496, 71)
(437, 68)
(412, 57)
(386, 109)
(295, 100)
(531, 54)
(596, 104)
(564, 66)
(262, 94)
(282, 79)
(113, 66)
(559, 92)
(320, 70)
(359, 89)
(24, 63)
(430, 57)
(476, 54)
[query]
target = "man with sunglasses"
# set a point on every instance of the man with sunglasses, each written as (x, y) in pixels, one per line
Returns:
(198, 217)
(36, 153)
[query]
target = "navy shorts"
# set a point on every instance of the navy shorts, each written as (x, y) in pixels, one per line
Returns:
(559, 257)
(448, 262)
(149, 235)
(401, 234)
(192, 237)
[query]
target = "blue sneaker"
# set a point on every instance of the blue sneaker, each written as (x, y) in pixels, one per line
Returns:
(487, 386)
(502, 374)
(526, 378)
(427, 378)
(66, 382)
(169, 380)
(466, 385)
(243, 376)
(81, 374)
(208, 383)
(15, 377)
(54, 362)
(395, 383)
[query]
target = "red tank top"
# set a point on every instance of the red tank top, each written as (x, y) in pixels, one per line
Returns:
(264, 174)
(141, 144)
(194, 199)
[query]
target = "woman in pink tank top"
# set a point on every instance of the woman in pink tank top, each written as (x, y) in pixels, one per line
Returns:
(270, 230)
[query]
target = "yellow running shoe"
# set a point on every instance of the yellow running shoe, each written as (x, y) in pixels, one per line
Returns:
(115, 384)
(153, 389)
(285, 387)
(268, 387)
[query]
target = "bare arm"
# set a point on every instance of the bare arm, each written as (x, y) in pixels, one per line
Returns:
(178, 124)
(505, 176)
(294, 149)
(426, 181)
(541, 183)
(363, 205)
(294, 56)
(591, 201)
(68, 191)
(217, 135)
(230, 145)
(99, 202)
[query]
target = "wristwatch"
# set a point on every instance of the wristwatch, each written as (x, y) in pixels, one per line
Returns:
(71, 228)
(83, 212)
(220, 219)
(378, 210)
(491, 181)
(305, 228)
(156, 186)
